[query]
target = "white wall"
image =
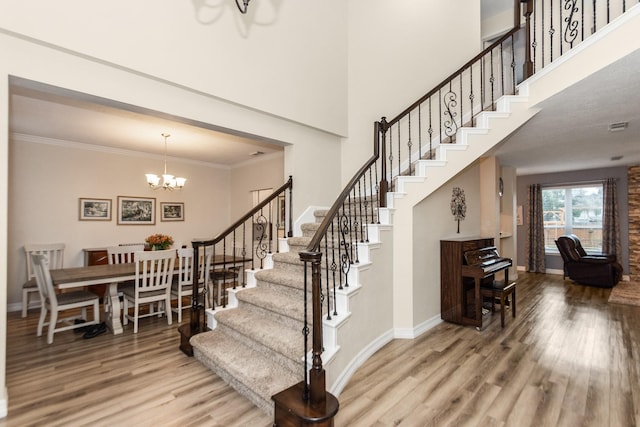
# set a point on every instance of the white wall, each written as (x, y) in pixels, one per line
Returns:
(398, 51)
(46, 179)
(210, 47)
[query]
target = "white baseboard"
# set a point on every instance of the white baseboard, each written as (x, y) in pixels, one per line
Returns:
(364, 354)
(4, 403)
(415, 332)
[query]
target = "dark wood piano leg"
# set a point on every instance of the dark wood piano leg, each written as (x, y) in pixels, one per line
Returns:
(478, 304)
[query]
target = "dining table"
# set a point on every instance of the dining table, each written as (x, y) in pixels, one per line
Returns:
(111, 275)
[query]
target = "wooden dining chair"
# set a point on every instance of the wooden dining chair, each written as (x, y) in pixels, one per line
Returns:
(55, 303)
(183, 283)
(54, 253)
(154, 274)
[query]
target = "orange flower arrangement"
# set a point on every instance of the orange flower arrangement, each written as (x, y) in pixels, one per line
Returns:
(159, 241)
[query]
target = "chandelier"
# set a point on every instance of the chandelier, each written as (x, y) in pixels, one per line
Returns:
(169, 182)
(244, 7)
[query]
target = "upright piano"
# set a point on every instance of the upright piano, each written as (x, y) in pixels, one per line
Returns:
(464, 265)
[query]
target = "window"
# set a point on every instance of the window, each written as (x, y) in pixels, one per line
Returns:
(575, 209)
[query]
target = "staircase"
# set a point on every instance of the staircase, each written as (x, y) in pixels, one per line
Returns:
(256, 343)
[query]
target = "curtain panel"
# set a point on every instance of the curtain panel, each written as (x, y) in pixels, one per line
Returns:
(535, 230)
(610, 222)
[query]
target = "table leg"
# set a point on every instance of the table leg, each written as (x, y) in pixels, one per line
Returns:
(113, 313)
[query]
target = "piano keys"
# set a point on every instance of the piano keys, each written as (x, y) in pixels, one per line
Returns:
(464, 265)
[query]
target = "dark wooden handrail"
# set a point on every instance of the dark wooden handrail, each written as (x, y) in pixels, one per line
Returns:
(446, 81)
(252, 212)
(314, 244)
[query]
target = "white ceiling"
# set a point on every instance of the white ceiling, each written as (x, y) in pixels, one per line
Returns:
(571, 132)
(53, 113)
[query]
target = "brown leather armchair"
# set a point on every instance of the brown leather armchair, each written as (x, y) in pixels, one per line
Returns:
(596, 270)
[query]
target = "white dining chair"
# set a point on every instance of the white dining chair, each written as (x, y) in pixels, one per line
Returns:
(183, 283)
(55, 255)
(154, 274)
(122, 254)
(55, 303)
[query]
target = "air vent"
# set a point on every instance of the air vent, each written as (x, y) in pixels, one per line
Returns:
(616, 127)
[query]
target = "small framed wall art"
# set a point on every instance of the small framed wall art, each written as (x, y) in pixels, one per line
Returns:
(94, 209)
(171, 211)
(136, 210)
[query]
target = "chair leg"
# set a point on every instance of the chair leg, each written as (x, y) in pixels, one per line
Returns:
(25, 302)
(136, 309)
(179, 308)
(502, 309)
(167, 309)
(52, 326)
(125, 311)
(96, 312)
(43, 316)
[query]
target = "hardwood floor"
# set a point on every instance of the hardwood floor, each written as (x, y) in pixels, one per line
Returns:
(568, 359)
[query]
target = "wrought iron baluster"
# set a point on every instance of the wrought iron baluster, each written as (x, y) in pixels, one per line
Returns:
(409, 144)
(353, 229)
(420, 154)
(492, 80)
(360, 201)
(450, 102)
(430, 131)
(461, 97)
(326, 269)
(502, 68)
(582, 20)
(334, 264)
(595, 13)
(473, 121)
(345, 260)
(390, 156)
(399, 124)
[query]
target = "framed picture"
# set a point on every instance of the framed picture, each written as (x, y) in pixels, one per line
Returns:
(94, 209)
(171, 211)
(136, 210)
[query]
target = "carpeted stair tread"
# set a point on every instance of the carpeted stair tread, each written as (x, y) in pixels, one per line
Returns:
(251, 373)
(265, 330)
(285, 304)
(288, 258)
(282, 277)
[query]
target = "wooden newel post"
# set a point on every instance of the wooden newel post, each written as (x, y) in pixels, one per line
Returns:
(317, 382)
(300, 405)
(188, 330)
(381, 127)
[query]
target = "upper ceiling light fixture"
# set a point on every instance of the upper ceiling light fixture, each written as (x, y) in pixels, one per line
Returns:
(245, 5)
(169, 182)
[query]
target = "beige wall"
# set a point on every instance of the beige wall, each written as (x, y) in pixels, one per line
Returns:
(432, 222)
(46, 180)
(211, 48)
(247, 177)
(398, 51)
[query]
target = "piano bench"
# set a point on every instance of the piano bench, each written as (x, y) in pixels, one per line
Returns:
(498, 289)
